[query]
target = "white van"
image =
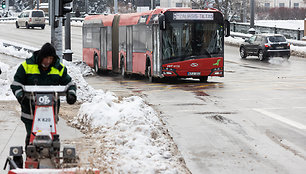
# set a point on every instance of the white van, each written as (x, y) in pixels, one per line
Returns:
(31, 18)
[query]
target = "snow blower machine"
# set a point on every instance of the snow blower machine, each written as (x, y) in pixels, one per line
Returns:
(44, 153)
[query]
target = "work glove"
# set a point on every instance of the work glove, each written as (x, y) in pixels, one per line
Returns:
(71, 98)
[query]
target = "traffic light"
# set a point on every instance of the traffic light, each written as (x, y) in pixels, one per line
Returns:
(3, 4)
(61, 9)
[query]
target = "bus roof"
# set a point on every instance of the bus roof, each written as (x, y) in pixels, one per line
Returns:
(134, 18)
(106, 20)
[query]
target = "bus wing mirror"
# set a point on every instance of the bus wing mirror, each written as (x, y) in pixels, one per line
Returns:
(162, 22)
(227, 28)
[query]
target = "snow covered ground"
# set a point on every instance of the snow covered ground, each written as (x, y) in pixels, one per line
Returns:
(130, 137)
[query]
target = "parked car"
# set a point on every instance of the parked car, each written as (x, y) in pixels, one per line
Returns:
(265, 46)
(31, 18)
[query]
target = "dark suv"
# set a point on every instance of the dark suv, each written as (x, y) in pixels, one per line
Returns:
(265, 46)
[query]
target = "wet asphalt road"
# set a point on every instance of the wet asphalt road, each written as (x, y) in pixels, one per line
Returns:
(253, 120)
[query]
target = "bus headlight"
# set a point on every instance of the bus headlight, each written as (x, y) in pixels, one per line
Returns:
(167, 72)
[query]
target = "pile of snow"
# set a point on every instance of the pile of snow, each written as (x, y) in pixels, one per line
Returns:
(235, 41)
(134, 140)
(76, 23)
(6, 79)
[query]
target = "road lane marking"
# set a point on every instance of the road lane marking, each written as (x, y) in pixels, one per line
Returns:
(282, 119)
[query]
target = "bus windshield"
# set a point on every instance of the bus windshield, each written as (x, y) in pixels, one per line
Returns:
(183, 41)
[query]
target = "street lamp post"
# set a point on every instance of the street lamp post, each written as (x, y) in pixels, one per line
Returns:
(252, 14)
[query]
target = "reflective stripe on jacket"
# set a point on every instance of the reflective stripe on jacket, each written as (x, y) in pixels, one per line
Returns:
(30, 73)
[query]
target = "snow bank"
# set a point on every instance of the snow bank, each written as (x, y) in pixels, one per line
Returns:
(134, 140)
(6, 79)
(14, 52)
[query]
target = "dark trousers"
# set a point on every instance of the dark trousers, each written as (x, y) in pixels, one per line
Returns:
(28, 126)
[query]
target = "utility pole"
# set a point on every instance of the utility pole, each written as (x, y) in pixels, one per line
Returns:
(56, 28)
(86, 6)
(244, 12)
(153, 4)
(68, 53)
(252, 14)
(37, 2)
(116, 6)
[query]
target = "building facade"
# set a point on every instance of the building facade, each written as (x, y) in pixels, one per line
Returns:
(174, 3)
(282, 3)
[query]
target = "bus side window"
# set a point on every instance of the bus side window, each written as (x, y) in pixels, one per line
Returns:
(109, 39)
(87, 37)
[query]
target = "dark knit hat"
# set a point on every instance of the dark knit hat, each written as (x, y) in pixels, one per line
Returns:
(46, 50)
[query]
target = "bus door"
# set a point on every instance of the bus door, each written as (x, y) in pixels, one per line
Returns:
(156, 60)
(129, 48)
(103, 52)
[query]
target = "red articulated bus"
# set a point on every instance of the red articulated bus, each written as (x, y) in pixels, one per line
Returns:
(178, 42)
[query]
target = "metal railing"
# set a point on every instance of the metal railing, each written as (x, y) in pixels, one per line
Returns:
(30, 50)
(46, 18)
(288, 33)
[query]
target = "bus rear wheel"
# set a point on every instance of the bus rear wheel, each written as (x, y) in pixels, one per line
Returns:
(122, 69)
(149, 74)
(96, 65)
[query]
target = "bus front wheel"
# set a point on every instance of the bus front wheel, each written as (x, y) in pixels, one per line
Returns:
(203, 79)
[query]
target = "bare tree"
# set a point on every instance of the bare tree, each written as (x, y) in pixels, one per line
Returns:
(223, 5)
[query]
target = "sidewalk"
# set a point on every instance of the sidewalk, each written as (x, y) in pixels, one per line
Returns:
(12, 130)
(13, 133)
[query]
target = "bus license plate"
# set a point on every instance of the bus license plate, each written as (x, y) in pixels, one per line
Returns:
(193, 73)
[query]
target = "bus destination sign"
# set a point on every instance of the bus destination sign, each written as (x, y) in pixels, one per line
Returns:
(193, 16)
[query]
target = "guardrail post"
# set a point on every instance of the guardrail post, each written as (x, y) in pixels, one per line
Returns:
(275, 30)
(234, 27)
(298, 34)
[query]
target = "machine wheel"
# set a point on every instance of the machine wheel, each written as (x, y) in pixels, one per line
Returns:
(203, 79)
(243, 54)
(19, 161)
(27, 25)
(43, 27)
(261, 55)
(17, 26)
